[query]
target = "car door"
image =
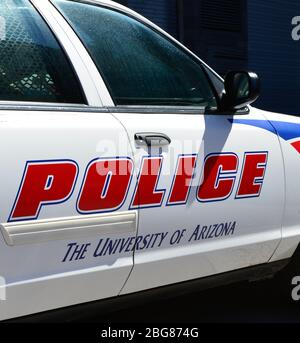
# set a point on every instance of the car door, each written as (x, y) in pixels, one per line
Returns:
(56, 147)
(206, 194)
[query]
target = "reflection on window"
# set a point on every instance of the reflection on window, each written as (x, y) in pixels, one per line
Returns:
(139, 66)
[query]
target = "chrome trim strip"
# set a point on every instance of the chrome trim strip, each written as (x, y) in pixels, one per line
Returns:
(51, 107)
(19, 106)
(157, 109)
(46, 230)
(84, 108)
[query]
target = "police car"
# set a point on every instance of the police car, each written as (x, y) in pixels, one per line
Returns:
(128, 164)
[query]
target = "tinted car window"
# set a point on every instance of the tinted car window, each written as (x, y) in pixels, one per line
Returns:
(138, 64)
(33, 66)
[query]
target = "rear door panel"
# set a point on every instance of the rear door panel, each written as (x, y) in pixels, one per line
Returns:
(46, 267)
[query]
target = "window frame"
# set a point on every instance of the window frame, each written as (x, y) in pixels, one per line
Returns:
(79, 61)
(13, 104)
(161, 108)
(90, 80)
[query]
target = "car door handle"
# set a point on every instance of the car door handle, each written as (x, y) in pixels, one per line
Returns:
(152, 139)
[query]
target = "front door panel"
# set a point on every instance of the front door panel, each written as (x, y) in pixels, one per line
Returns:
(227, 216)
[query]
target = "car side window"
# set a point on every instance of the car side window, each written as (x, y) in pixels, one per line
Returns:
(139, 65)
(33, 67)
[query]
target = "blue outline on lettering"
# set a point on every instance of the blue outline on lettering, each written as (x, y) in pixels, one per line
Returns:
(84, 180)
(106, 185)
(174, 178)
(220, 176)
(10, 219)
(257, 180)
(49, 182)
(155, 190)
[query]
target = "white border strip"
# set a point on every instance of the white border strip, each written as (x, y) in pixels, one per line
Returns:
(92, 83)
(38, 231)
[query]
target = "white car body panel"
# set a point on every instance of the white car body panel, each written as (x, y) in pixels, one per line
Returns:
(30, 269)
(32, 252)
(291, 221)
(254, 240)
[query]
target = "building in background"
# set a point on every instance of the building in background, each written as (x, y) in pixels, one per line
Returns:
(238, 34)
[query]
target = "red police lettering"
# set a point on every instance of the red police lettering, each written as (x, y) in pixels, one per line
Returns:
(146, 194)
(253, 173)
(218, 181)
(105, 185)
(182, 181)
(44, 183)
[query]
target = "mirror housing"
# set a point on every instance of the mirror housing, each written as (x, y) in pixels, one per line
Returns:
(242, 88)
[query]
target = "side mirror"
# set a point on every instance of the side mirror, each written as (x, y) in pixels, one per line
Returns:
(242, 88)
